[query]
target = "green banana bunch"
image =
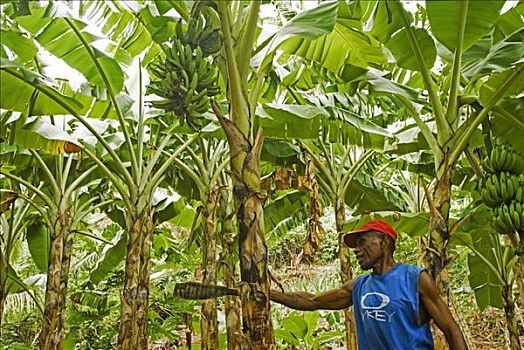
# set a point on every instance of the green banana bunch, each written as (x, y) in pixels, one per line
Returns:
(200, 33)
(503, 158)
(519, 194)
(186, 78)
(508, 218)
(500, 188)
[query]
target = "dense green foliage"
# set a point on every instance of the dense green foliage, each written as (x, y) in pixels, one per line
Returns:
(117, 181)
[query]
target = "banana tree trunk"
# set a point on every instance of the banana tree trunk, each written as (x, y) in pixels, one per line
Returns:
(49, 335)
(511, 318)
(245, 166)
(517, 241)
(519, 277)
(209, 321)
(66, 263)
(231, 303)
(135, 292)
(346, 273)
(314, 226)
(3, 282)
(437, 253)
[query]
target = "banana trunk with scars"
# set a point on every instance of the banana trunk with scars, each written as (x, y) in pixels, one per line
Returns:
(66, 264)
(519, 277)
(135, 292)
(3, 282)
(245, 166)
(436, 254)
(232, 306)
(511, 317)
(209, 321)
(346, 273)
(52, 333)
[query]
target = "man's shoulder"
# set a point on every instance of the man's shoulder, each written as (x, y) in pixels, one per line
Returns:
(411, 268)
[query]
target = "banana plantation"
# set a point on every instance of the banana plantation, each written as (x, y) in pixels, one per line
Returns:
(217, 150)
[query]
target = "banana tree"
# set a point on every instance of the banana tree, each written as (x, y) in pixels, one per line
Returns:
(495, 261)
(452, 134)
(338, 166)
(62, 210)
(498, 50)
(14, 218)
(245, 139)
(232, 305)
(205, 171)
(132, 168)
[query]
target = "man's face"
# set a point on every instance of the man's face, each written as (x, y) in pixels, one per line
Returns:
(369, 249)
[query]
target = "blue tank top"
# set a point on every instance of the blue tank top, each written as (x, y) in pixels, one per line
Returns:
(387, 308)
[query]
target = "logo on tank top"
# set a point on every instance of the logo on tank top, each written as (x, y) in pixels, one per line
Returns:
(372, 306)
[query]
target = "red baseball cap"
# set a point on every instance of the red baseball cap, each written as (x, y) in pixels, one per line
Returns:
(350, 238)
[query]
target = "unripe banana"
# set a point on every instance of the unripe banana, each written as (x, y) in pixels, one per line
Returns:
(515, 216)
(509, 186)
(499, 222)
(180, 32)
(194, 81)
(502, 186)
(520, 212)
(512, 159)
(507, 217)
(486, 164)
(519, 195)
(503, 158)
(494, 158)
(493, 189)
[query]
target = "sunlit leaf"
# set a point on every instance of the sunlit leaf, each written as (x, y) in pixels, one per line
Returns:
(307, 26)
(444, 18)
(401, 49)
(38, 242)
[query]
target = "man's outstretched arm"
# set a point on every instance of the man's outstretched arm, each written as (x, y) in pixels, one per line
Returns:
(335, 299)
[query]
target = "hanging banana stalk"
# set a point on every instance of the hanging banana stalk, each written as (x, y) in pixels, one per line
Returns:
(314, 226)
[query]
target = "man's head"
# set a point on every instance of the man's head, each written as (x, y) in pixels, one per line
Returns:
(371, 242)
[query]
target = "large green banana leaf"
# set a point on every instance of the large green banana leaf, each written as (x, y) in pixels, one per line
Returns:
(401, 49)
(364, 194)
(285, 121)
(495, 82)
(17, 85)
(69, 40)
(445, 17)
(510, 23)
(308, 26)
(39, 134)
(119, 25)
(496, 58)
(345, 44)
(37, 237)
(383, 24)
(281, 212)
(476, 233)
(110, 257)
(509, 125)
(24, 48)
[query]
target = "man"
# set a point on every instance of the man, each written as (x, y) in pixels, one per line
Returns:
(393, 304)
